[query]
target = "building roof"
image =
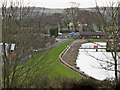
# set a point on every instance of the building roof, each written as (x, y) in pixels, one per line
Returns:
(12, 46)
(91, 33)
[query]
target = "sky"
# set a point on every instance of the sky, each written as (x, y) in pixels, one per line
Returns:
(65, 3)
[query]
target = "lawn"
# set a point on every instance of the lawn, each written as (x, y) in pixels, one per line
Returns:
(59, 70)
(47, 64)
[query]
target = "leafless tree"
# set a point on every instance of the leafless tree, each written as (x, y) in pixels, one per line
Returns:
(76, 15)
(13, 31)
(108, 17)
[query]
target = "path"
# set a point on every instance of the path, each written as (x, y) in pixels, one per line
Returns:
(60, 41)
(71, 55)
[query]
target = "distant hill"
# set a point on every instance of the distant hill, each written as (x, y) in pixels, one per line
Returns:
(50, 11)
(57, 10)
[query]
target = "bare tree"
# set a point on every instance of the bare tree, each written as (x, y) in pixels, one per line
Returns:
(25, 40)
(76, 15)
(108, 17)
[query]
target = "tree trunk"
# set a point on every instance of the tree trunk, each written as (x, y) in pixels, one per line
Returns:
(116, 77)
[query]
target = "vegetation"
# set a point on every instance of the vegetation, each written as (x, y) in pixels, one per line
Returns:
(13, 21)
(54, 31)
(25, 28)
(47, 68)
(110, 28)
(64, 29)
(98, 40)
(53, 74)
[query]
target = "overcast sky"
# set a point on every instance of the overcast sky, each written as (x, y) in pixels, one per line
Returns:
(66, 3)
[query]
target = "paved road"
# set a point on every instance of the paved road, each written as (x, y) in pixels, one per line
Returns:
(61, 41)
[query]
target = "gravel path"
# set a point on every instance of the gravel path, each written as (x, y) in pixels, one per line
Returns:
(71, 55)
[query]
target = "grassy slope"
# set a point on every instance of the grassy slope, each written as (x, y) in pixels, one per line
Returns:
(52, 67)
(98, 40)
(55, 68)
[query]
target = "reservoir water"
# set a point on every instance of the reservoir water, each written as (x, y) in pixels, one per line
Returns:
(91, 62)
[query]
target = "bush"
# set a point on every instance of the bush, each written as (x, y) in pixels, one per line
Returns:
(88, 83)
(54, 31)
(74, 83)
(117, 87)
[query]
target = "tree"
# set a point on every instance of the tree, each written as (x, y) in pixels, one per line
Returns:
(25, 40)
(76, 15)
(54, 31)
(108, 17)
(72, 15)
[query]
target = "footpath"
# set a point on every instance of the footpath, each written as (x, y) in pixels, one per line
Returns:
(69, 55)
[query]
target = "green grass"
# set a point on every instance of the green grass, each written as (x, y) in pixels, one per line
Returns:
(55, 68)
(98, 40)
(64, 29)
(51, 67)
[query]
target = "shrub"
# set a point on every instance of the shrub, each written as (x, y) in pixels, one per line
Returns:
(74, 83)
(54, 31)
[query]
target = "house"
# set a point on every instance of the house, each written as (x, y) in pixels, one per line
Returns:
(92, 35)
(12, 48)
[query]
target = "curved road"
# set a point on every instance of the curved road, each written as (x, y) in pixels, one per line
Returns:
(61, 41)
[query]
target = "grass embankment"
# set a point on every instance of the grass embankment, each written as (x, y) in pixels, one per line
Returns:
(47, 65)
(58, 70)
(98, 40)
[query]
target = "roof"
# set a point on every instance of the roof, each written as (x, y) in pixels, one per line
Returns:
(12, 46)
(91, 33)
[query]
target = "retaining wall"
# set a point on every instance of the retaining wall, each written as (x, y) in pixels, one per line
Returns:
(77, 70)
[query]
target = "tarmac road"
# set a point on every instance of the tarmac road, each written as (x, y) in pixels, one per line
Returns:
(61, 41)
